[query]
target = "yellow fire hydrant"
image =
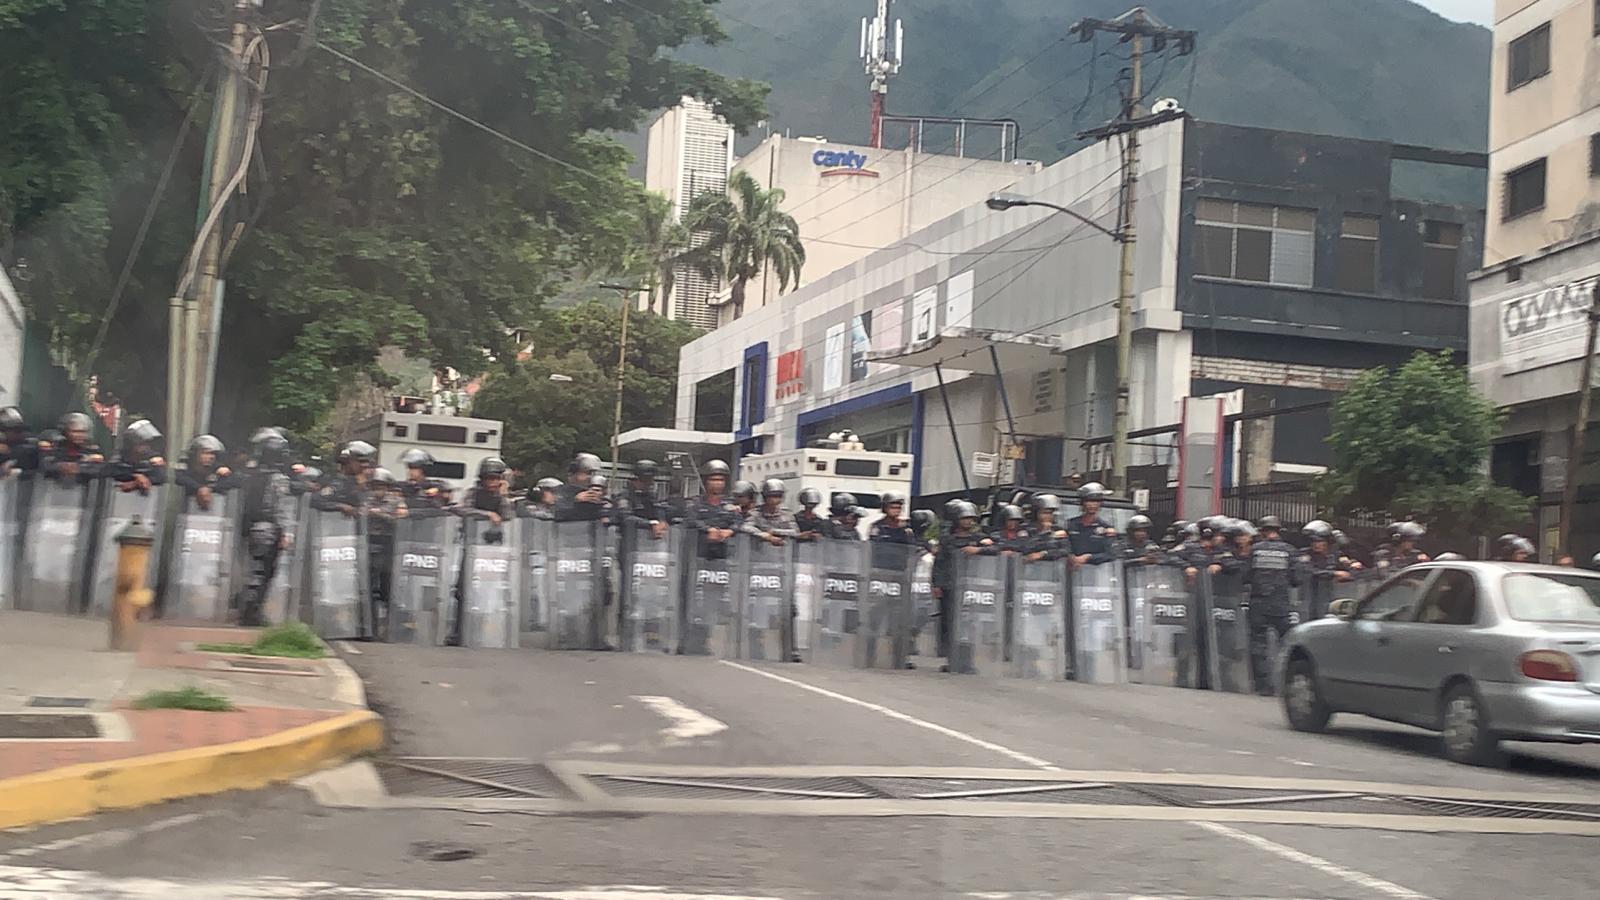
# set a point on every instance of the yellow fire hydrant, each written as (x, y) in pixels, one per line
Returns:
(131, 597)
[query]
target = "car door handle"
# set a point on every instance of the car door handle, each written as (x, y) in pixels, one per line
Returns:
(1446, 648)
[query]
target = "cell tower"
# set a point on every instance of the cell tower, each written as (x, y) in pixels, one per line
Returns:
(881, 61)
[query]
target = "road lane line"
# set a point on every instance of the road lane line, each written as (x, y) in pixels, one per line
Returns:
(686, 724)
(902, 717)
(102, 839)
(1361, 879)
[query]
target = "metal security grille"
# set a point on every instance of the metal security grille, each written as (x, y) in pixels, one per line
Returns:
(469, 778)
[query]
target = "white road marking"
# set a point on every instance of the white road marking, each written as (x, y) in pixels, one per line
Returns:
(687, 724)
(1361, 879)
(902, 717)
(101, 839)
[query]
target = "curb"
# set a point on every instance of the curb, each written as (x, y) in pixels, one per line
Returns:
(75, 791)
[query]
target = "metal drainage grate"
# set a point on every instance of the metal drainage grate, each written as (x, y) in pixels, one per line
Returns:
(1506, 809)
(1009, 791)
(260, 665)
(719, 787)
(48, 726)
(60, 702)
(469, 778)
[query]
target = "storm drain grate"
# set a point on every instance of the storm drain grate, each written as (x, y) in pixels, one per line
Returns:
(1506, 809)
(60, 702)
(470, 778)
(1008, 790)
(48, 726)
(665, 787)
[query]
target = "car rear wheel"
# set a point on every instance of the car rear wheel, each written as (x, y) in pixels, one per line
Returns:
(1465, 730)
(1303, 703)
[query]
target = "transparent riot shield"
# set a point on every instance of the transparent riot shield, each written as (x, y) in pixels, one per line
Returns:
(979, 647)
(808, 580)
(490, 583)
(10, 531)
(764, 598)
(924, 608)
(337, 587)
(710, 617)
(1039, 619)
(118, 508)
(419, 587)
(54, 546)
(884, 641)
(1097, 607)
(649, 591)
(1224, 604)
(1164, 645)
(535, 533)
(287, 588)
(202, 552)
(574, 602)
(838, 615)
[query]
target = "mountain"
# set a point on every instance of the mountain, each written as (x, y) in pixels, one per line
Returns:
(1386, 69)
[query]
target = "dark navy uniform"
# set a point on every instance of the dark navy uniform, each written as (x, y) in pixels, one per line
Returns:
(21, 454)
(951, 546)
(1393, 559)
(1273, 574)
(343, 494)
(429, 493)
(1144, 553)
(570, 509)
(218, 478)
(1096, 537)
(123, 471)
(85, 458)
(897, 533)
(809, 525)
(261, 492)
(1320, 573)
(702, 515)
(1016, 541)
(640, 508)
(839, 531)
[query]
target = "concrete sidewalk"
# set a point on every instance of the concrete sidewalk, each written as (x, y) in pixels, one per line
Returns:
(71, 743)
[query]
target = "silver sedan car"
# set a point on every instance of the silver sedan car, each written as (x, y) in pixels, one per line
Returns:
(1478, 651)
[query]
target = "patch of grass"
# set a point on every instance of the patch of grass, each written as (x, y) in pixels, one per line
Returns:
(184, 698)
(294, 640)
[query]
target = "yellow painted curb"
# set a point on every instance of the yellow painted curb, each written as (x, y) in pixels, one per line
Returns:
(74, 791)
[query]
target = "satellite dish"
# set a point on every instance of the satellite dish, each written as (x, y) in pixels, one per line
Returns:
(1166, 105)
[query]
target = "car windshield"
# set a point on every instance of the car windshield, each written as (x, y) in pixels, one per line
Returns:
(1552, 598)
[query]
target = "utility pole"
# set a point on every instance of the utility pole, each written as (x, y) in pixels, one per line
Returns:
(1569, 491)
(1134, 26)
(627, 292)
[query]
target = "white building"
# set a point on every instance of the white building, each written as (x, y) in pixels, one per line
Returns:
(688, 152)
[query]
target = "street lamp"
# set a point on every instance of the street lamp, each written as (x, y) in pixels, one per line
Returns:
(627, 290)
(1123, 235)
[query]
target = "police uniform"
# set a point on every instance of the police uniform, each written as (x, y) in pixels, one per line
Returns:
(809, 525)
(570, 509)
(86, 457)
(261, 491)
(1094, 537)
(642, 508)
(1018, 540)
(1272, 573)
(21, 454)
(1393, 559)
(429, 493)
(899, 532)
(840, 531)
(123, 471)
(1144, 553)
(1321, 571)
(951, 546)
(780, 523)
(218, 478)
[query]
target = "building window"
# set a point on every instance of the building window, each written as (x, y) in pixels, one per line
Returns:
(713, 403)
(1254, 242)
(1441, 242)
(1524, 190)
(1529, 57)
(1358, 254)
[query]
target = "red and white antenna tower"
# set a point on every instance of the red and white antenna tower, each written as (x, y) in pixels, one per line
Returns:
(881, 54)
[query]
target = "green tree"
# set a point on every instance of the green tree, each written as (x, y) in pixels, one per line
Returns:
(547, 422)
(739, 233)
(1412, 441)
(660, 242)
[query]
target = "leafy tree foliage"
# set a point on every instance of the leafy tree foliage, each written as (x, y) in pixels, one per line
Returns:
(1413, 441)
(742, 232)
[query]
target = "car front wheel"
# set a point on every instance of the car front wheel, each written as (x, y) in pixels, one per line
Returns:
(1464, 728)
(1303, 703)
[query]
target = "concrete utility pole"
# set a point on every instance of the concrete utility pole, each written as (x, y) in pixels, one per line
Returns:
(1134, 26)
(1569, 490)
(622, 364)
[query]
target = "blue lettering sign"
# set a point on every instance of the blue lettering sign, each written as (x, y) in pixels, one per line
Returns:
(835, 159)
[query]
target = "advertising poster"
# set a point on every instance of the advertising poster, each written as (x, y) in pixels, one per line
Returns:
(958, 300)
(924, 313)
(833, 358)
(860, 343)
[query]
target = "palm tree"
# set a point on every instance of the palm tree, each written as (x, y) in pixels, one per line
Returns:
(661, 241)
(737, 234)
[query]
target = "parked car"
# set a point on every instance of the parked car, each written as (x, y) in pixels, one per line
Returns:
(1481, 652)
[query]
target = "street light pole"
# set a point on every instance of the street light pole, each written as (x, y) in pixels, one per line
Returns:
(1130, 181)
(627, 292)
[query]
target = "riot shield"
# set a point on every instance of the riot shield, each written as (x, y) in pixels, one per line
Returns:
(1097, 606)
(1038, 619)
(649, 583)
(885, 638)
(489, 581)
(337, 589)
(574, 602)
(419, 591)
(808, 581)
(1224, 604)
(287, 588)
(980, 587)
(203, 548)
(838, 615)
(117, 510)
(53, 547)
(764, 602)
(1164, 616)
(536, 534)
(10, 531)
(710, 618)
(924, 608)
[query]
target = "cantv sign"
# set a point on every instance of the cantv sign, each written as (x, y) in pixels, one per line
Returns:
(842, 162)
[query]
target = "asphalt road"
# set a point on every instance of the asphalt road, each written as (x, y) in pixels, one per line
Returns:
(577, 706)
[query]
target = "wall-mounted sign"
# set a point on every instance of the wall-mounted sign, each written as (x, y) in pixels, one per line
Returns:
(842, 162)
(1545, 326)
(791, 374)
(833, 358)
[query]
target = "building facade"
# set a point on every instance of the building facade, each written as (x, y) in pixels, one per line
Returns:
(1542, 253)
(1270, 267)
(688, 152)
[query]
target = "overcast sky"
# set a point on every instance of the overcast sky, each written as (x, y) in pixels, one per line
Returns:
(1461, 10)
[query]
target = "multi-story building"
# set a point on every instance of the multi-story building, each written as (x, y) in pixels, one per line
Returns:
(1270, 266)
(1541, 250)
(689, 150)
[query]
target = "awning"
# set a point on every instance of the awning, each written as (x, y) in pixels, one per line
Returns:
(967, 350)
(659, 442)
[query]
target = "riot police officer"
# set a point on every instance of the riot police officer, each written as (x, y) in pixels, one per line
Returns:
(488, 498)
(201, 478)
(808, 525)
(137, 467)
(966, 538)
(641, 508)
(771, 522)
(1012, 535)
(1322, 565)
(18, 450)
(1093, 539)
(843, 516)
(74, 458)
(346, 491)
(892, 528)
(1272, 574)
(710, 515)
(1515, 548)
(580, 500)
(1402, 549)
(1048, 539)
(420, 491)
(384, 504)
(542, 499)
(743, 494)
(1139, 548)
(262, 486)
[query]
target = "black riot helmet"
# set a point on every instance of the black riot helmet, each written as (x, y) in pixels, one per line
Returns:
(11, 419)
(1140, 523)
(1190, 531)
(548, 484)
(416, 458)
(380, 475)
(1010, 512)
(890, 498)
(962, 510)
(842, 504)
(73, 421)
(742, 489)
(1409, 531)
(492, 467)
(598, 481)
(951, 509)
(584, 462)
(922, 520)
(205, 443)
(1046, 501)
(646, 469)
(1318, 530)
(774, 487)
(715, 467)
(140, 431)
(1270, 523)
(270, 447)
(1094, 490)
(810, 498)
(360, 451)
(263, 431)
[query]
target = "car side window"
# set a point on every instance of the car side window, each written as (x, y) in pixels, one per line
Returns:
(1451, 600)
(1397, 600)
